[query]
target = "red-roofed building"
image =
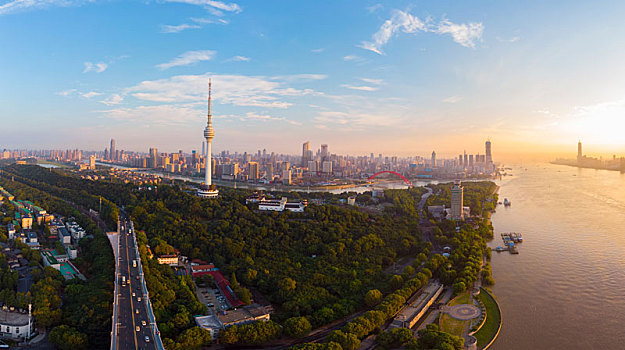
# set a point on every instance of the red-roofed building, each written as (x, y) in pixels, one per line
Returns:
(221, 282)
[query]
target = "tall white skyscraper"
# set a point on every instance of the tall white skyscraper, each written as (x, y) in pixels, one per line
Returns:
(207, 189)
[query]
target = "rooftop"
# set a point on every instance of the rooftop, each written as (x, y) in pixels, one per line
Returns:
(13, 318)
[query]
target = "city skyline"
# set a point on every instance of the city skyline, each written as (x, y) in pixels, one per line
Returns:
(364, 77)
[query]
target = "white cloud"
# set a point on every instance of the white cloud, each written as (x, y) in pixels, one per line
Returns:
(351, 58)
(360, 87)
(155, 115)
(114, 99)
(374, 8)
(165, 28)
(95, 67)
(400, 20)
(300, 77)
(90, 94)
(465, 34)
(266, 117)
(452, 99)
(319, 50)
(240, 59)
(66, 93)
(508, 40)
(216, 7)
(355, 119)
(373, 81)
(209, 20)
(238, 90)
(188, 58)
(24, 5)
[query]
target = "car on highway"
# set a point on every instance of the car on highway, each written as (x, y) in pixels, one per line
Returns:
(147, 339)
(136, 311)
(133, 294)
(137, 329)
(139, 299)
(143, 323)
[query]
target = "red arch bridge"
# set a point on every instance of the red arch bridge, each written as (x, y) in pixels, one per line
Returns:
(394, 173)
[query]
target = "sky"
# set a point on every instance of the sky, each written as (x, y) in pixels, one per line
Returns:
(391, 77)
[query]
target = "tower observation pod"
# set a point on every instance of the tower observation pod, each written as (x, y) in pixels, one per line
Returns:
(208, 189)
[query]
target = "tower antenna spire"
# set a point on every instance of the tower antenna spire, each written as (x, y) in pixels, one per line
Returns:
(209, 101)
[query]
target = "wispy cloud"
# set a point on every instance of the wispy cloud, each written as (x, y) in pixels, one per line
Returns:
(188, 58)
(319, 50)
(14, 6)
(351, 58)
(166, 28)
(90, 94)
(95, 67)
(508, 40)
(239, 59)
(452, 99)
(161, 115)
(373, 81)
(114, 99)
(465, 34)
(210, 20)
(239, 90)
(213, 6)
(66, 93)
(360, 87)
(401, 21)
(374, 8)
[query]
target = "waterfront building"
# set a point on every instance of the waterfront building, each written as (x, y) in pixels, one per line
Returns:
(457, 212)
(207, 189)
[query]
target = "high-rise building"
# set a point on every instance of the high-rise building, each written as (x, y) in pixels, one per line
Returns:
(112, 152)
(92, 162)
(324, 151)
(433, 159)
(489, 155)
(153, 158)
(456, 201)
(466, 160)
(207, 189)
(579, 151)
(326, 167)
(252, 171)
(305, 153)
(460, 164)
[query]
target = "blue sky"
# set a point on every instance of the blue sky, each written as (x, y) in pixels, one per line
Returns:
(401, 77)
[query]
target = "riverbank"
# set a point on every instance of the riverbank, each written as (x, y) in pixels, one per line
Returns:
(489, 330)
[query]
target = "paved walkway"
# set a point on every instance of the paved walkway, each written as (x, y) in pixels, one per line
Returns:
(463, 312)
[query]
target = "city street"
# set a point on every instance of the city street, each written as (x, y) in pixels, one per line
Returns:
(131, 307)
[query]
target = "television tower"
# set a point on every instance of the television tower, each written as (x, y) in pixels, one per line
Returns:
(208, 190)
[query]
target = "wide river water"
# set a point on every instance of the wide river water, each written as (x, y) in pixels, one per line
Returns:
(566, 288)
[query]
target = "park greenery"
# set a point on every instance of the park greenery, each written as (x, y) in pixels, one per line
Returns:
(491, 325)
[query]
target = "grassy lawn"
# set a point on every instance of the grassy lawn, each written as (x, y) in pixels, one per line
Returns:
(493, 319)
(449, 324)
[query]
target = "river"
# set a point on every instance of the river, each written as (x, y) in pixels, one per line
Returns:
(565, 290)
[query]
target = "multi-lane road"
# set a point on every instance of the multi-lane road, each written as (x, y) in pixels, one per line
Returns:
(133, 326)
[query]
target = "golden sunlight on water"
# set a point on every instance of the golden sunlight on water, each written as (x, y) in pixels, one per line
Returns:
(565, 288)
